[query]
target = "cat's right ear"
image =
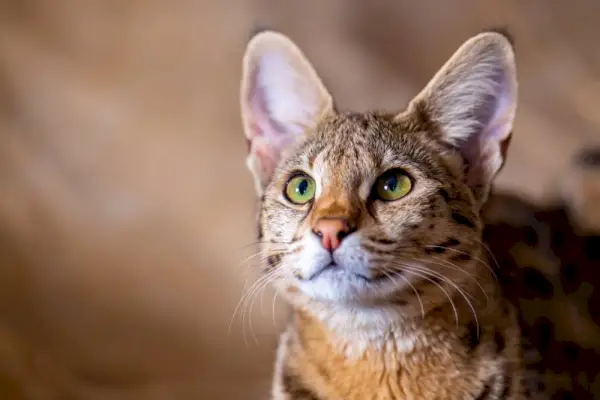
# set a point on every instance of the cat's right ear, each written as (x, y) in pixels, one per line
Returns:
(282, 98)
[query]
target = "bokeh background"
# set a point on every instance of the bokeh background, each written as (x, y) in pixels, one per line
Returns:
(125, 205)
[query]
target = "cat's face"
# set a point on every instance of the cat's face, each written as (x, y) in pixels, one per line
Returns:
(403, 209)
(374, 208)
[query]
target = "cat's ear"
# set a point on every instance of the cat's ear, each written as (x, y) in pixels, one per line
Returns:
(470, 103)
(282, 98)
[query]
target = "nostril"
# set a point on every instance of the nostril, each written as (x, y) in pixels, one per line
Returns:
(345, 232)
(331, 232)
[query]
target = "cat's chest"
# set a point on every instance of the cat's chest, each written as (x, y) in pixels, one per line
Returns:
(393, 369)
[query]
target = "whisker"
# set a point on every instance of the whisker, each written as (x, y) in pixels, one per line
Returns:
(458, 289)
(463, 252)
(266, 255)
(455, 267)
(407, 268)
(273, 306)
(266, 242)
(251, 298)
(250, 257)
(487, 249)
(248, 307)
(240, 307)
(438, 274)
(413, 288)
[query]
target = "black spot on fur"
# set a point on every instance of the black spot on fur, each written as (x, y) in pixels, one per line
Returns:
(558, 239)
(591, 248)
(273, 260)
(461, 257)
(542, 334)
(506, 386)
(445, 195)
(500, 341)
(462, 220)
(435, 250)
(472, 337)
(485, 393)
(450, 242)
(382, 241)
(563, 394)
(400, 302)
(571, 351)
(570, 277)
(295, 388)
(372, 249)
(487, 389)
(530, 237)
(536, 285)
(442, 247)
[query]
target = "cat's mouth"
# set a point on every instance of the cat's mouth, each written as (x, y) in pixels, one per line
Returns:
(334, 269)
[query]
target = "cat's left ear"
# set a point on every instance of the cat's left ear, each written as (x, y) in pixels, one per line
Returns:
(282, 98)
(470, 104)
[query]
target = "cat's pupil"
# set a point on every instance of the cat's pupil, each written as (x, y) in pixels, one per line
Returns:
(302, 187)
(391, 184)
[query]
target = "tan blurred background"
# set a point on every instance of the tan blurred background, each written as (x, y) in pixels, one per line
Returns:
(125, 205)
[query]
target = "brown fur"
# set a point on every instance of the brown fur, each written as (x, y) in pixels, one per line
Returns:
(414, 306)
(315, 359)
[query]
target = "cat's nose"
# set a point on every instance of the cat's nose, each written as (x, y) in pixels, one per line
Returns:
(331, 231)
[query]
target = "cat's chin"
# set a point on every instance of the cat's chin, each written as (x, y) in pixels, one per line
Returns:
(339, 285)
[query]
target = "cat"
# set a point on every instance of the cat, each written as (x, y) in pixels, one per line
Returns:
(372, 226)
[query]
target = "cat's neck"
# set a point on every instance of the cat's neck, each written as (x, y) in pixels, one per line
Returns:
(356, 330)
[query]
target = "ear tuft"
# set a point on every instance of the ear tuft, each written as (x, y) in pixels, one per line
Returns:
(504, 31)
(282, 99)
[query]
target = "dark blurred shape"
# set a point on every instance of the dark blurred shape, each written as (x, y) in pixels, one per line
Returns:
(589, 157)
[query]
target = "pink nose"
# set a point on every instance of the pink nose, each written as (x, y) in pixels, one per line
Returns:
(331, 231)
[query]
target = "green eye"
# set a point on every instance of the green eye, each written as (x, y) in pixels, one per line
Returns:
(300, 189)
(393, 185)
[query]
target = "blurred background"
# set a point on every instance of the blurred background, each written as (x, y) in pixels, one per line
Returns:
(125, 204)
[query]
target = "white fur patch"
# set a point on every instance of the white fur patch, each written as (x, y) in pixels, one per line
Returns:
(360, 329)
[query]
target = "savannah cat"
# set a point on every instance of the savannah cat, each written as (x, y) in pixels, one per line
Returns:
(373, 228)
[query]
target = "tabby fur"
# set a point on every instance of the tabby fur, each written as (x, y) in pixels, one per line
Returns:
(429, 296)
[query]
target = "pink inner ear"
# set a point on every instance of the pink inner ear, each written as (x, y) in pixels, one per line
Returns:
(267, 137)
(263, 123)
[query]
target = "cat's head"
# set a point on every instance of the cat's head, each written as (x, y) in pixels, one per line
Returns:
(371, 208)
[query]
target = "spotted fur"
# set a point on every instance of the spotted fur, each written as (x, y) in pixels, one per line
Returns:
(548, 261)
(412, 305)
